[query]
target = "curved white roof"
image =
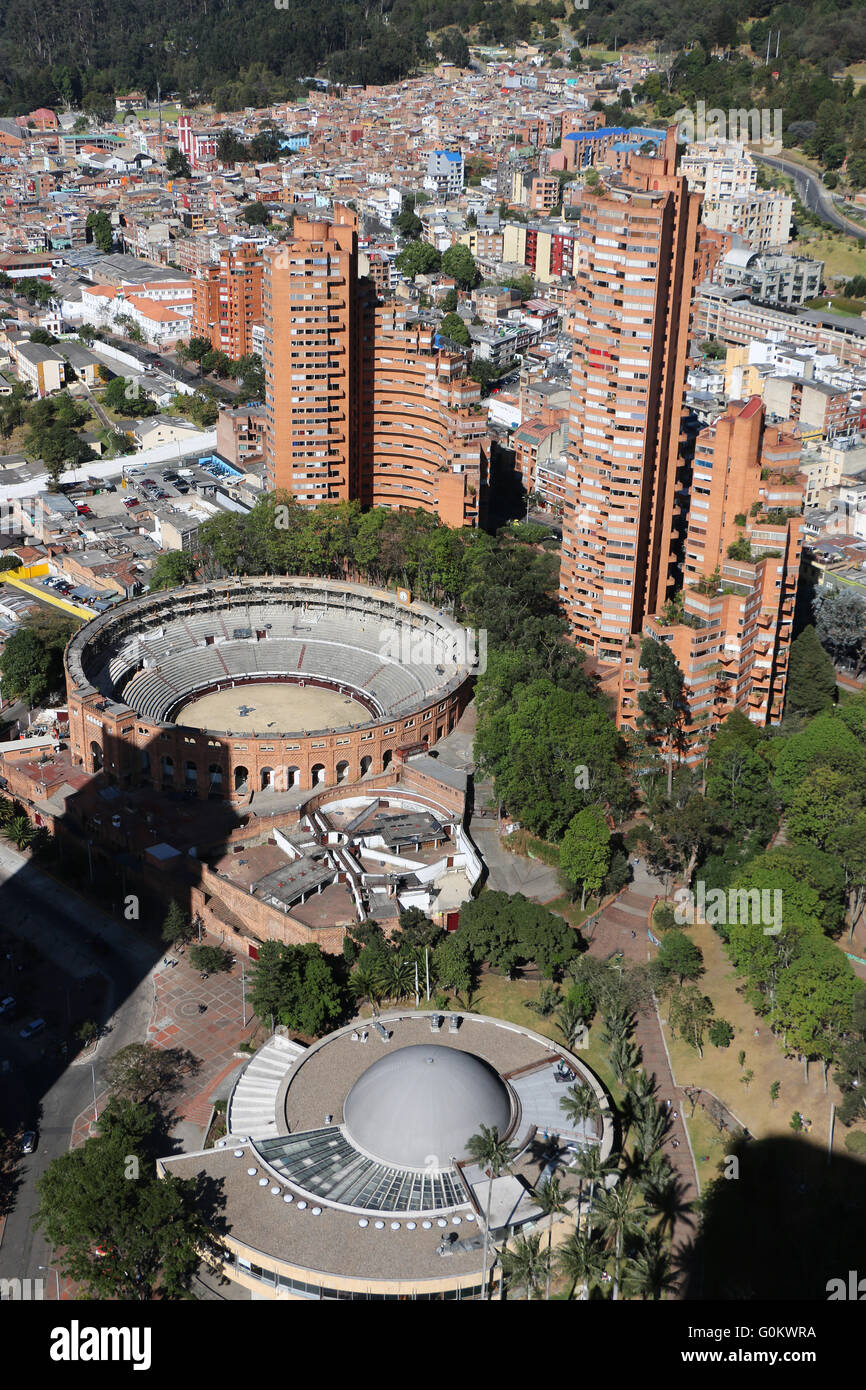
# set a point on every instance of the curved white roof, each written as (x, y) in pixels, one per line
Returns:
(418, 1107)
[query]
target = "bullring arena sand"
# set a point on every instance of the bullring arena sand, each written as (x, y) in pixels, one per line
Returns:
(273, 707)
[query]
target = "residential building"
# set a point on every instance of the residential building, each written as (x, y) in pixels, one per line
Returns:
(762, 218)
(637, 253)
(227, 301)
(730, 624)
(359, 402)
(445, 173)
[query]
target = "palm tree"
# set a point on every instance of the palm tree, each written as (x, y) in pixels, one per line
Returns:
(621, 1219)
(398, 977)
(551, 1201)
(581, 1259)
(618, 1025)
(18, 831)
(571, 1022)
(625, 1057)
(579, 1103)
(526, 1265)
(649, 1273)
(652, 1124)
(593, 1169)
(493, 1155)
(364, 984)
(663, 1190)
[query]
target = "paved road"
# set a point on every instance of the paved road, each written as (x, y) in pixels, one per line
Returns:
(814, 196)
(45, 1089)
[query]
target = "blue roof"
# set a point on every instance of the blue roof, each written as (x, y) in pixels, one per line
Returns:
(449, 154)
(631, 131)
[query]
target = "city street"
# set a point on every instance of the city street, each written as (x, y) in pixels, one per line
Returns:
(42, 1089)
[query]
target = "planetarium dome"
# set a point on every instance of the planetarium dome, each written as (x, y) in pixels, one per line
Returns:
(419, 1106)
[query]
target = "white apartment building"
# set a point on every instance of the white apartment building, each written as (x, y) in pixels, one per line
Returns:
(719, 168)
(762, 218)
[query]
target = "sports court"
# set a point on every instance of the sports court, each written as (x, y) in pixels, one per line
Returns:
(283, 707)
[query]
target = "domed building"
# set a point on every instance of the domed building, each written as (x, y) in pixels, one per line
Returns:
(347, 1168)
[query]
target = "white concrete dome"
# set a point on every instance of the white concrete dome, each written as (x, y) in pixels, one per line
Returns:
(419, 1106)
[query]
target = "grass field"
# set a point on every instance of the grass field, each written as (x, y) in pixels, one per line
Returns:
(841, 255)
(719, 1071)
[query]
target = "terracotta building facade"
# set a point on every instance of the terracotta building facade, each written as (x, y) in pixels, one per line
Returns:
(360, 404)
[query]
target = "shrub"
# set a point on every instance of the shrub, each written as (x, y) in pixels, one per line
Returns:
(856, 1143)
(720, 1033)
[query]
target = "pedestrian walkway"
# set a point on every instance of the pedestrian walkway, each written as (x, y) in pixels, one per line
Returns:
(212, 1036)
(622, 926)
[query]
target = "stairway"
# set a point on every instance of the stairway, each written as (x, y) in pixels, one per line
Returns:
(252, 1105)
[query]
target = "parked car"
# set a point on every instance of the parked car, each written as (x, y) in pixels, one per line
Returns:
(83, 509)
(131, 502)
(28, 1141)
(30, 1029)
(7, 1005)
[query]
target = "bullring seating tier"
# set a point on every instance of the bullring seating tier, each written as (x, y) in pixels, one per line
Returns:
(155, 653)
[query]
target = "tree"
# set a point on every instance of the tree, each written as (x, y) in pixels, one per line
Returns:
(100, 229)
(493, 1155)
(31, 663)
(551, 1201)
(621, 1219)
(119, 1230)
(177, 164)
(142, 1071)
(418, 258)
(811, 677)
(19, 832)
(775, 1088)
(663, 703)
(818, 806)
(581, 1260)
(453, 327)
(230, 149)
(690, 1013)
(649, 1273)
(176, 927)
(720, 1033)
(197, 348)
(172, 569)
(408, 223)
(525, 1265)
(459, 263)
(678, 956)
(299, 985)
(211, 960)
(453, 966)
(584, 855)
(840, 623)
(256, 215)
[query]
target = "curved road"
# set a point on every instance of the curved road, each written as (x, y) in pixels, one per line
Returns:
(813, 195)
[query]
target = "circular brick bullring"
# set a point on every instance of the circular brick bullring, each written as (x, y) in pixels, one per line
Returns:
(131, 672)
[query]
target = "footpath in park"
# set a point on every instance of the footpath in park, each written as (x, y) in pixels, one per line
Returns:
(622, 926)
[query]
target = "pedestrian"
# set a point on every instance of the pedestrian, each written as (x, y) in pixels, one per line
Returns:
(633, 935)
(675, 1114)
(676, 1143)
(668, 1103)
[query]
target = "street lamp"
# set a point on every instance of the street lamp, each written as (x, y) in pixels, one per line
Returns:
(50, 1269)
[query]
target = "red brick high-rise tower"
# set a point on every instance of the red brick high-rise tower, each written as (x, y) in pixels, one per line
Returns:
(637, 255)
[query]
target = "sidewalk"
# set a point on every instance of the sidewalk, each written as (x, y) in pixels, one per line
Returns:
(623, 927)
(212, 1037)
